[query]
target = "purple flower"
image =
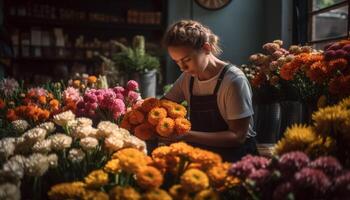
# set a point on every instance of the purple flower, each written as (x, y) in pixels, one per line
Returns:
(282, 191)
(342, 186)
(260, 176)
(258, 161)
(292, 162)
(330, 54)
(340, 53)
(8, 86)
(311, 183)
(132, 85)
(329, 165)
(247, 165)
(346, 48)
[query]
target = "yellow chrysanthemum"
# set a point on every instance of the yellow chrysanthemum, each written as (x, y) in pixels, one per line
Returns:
(96, 179)
(124, 193)
(178, 193)
(206, 158)
(194, 180)
(330, 121)
(181, 149)
(320, 147)
(112, 166)
(230, 182)
(95, 195)
(207, 194)
(345, 103)
(297, 137)
(156, 194)
(218, 174)
(130, 159)
(149, 177)
(74, 190)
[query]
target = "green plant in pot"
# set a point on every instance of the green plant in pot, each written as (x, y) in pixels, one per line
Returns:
(138, 65)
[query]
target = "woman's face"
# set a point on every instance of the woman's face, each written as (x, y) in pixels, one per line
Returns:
(189, 60)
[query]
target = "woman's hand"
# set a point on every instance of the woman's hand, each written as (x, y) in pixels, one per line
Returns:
(170, 139)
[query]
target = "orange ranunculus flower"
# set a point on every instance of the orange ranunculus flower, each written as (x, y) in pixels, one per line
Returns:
(2, 104)
(166, 104)
(44, 115)
(11, 115)
(42, 99)
(54, 103)
(144, 131)
(50, 96)
(155, 115)
(165, 127)
(177, 111)
(149, 177)
(182, 126)
(317, 72)
(149, 103)
(136, 117)
(288, 71)
(76, 83)
(92, 79)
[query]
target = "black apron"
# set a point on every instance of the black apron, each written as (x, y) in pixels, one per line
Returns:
(205, 117)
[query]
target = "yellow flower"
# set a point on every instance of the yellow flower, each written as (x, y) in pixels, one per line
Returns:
(181, 149)
(218, 174)
(297, 137)
(231, 182)
(177, 111)
(157, 194)
(178, 193)
(330, 121)
(165, 127)
(130, 159)
(206, 158)
(194, 180)
(149, 177)
(345, 103)
(112, 166)
(320, 147)
(124, 193)
(92, 79)
(74, 190)
(207, 194)
(155, 115)
(96, 179)
(95, 195)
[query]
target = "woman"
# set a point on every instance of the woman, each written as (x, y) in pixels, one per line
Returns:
(218, 93)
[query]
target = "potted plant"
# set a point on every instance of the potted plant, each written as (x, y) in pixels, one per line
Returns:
(138, 65)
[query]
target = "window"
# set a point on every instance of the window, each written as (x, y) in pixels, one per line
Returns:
(328, 21)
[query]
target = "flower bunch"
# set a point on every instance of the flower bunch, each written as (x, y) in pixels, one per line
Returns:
(154, 116)
(8, 87)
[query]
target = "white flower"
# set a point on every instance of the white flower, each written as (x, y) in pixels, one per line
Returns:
(83, 121)
(114, 143)
(63, 118)
(60, 141)
(35, 134)
(48, 126)
(136, 143)
(36, 165)
(22, 145)
(88, 143)
(13, 169)
(8, 86)
(106, 128)
(7, 148)
(20, 125)
(9, 191)
(84, 131)
(76, 155)
(43, 146)
(53, 160)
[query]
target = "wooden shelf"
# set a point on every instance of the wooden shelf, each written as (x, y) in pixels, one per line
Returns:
(52, 59)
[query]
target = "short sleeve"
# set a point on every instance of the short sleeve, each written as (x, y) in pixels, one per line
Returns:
(238, 99)
(176, 92)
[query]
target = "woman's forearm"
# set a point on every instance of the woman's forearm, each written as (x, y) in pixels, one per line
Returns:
(216, 139)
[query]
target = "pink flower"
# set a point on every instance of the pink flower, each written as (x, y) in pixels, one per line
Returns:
(292, 162)
(38, 91)
(260, 176)
(8, 86)
(71, 94)
(118, 90)
(329, 165)
(132, 96)
(119, 96)
(282, 191)
(341, 186)
(132, 85)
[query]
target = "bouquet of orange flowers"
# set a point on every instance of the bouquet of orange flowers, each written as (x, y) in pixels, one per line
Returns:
(153, 116)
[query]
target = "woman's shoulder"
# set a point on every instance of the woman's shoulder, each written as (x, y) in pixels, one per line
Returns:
(234, 74)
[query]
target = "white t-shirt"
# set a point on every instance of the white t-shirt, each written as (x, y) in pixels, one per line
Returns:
(234, 95)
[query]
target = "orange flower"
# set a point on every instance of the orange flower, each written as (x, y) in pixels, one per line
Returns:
(144, 131)
(76, 83)
(258, 79)
(44, 115)
(177, 111)
(31, 94)
(54, 103)
(288, 71)
(317, 72)
(136, 117)
(340, 86)
(156, 114)
(50, 96)
(92, 79)
(149, 177)
(165, 127)
(166, 104)
(2, 104)
(337, 64)
(11, 115)
(182, 126)
(125, 123)
(149, 103)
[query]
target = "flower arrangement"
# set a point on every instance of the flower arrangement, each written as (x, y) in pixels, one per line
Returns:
(65, 150)
(153, 116)
(178, 171)
(83, 82)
